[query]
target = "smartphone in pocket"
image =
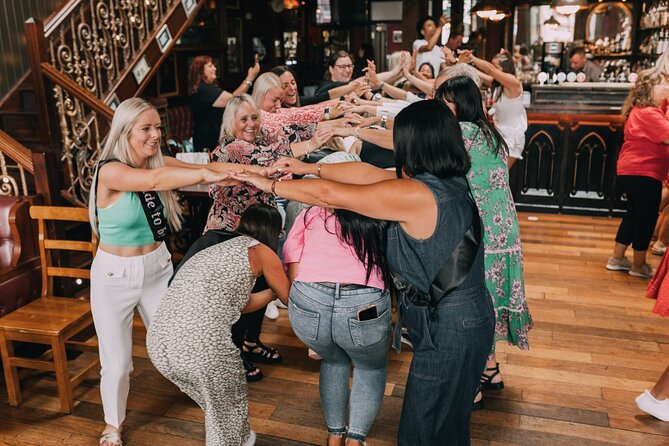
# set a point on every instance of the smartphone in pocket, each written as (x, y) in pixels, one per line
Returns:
(367, 314)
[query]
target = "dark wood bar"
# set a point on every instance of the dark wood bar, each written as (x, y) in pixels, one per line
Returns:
(571, 147)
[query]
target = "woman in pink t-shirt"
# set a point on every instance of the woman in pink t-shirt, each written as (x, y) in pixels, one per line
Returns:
(643, 163)
(339, 306)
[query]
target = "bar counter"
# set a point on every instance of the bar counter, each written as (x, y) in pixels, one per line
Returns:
(571, 146)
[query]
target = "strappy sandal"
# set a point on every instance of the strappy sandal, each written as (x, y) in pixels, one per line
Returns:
(261, 353)
(486, 380)
(253, 373)
(478, 405)
(112, 438)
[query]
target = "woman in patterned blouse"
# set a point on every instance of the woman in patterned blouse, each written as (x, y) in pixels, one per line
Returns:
(245, 140)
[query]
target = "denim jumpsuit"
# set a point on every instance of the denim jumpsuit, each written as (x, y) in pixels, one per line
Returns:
(450, 341)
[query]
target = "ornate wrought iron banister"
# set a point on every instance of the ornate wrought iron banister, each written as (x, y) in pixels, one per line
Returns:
(77, 91)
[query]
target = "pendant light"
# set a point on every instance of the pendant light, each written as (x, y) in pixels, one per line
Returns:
(568, 7)
(487, 9)
(552, 23)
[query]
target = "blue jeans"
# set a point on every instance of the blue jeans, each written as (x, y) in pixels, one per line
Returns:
(324, 317)
(450, 344)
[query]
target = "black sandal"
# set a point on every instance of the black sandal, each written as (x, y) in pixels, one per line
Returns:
(261, 353)
(253, 373)
(486, 380)
(478, 405)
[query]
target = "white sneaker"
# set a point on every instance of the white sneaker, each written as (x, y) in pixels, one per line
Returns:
(271, 311)
(648, 403)
(645, 271)
(252, 439)
(279, 304)
(618, 265)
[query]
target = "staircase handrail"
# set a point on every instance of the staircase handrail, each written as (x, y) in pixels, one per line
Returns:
(17, 152)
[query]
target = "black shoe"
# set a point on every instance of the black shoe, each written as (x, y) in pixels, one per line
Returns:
(478, 405)
(253, 373)
(486, 380)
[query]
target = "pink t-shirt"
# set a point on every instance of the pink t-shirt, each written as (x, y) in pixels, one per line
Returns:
(313, 243)
(643, 153)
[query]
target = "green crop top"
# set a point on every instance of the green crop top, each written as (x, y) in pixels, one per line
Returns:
(124, 223)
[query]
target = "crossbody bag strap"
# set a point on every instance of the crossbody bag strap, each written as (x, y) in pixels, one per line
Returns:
(152, 206)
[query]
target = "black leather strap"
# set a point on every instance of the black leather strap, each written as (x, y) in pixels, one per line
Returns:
(452, 273)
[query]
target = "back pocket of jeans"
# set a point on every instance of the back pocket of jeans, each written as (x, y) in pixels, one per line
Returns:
(305, 323)
(366, 333)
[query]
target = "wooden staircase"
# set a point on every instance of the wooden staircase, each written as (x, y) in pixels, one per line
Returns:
(85, 59)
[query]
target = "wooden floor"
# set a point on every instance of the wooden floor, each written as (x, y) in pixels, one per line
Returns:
(594, 347)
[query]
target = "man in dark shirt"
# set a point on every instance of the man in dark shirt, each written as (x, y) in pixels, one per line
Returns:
(578, 62)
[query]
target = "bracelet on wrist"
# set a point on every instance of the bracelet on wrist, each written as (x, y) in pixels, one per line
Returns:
(356, 133)
(318, 169)
(248, 82)
(273, 187)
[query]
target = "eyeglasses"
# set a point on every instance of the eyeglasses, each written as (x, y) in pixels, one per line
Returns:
(345, 67)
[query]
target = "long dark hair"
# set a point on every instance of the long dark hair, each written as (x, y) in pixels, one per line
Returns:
(506, 63)
(281, 69)
(463, 92)
(367, 237)
(428, 139)
(263, 223)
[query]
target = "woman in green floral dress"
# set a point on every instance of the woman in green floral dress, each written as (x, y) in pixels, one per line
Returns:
(489, 182)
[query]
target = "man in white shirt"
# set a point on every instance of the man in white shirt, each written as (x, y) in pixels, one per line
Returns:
(428, 47)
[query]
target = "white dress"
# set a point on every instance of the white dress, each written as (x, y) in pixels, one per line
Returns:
(511, 121)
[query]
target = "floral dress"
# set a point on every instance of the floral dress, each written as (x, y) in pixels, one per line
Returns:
(489, 182)
(231, 202)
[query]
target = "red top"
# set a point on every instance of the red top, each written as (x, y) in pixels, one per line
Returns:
(643, 153)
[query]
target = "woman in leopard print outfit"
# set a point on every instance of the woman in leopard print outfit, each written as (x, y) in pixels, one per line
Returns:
(189, 340)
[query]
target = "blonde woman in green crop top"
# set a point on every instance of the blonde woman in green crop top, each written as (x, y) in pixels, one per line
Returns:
(131, 269)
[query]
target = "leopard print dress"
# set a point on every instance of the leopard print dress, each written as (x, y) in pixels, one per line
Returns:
(189, 339)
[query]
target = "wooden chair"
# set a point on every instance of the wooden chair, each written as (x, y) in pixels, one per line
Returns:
(50, 320)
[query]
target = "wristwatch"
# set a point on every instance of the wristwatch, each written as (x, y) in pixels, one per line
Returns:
(248, 82)
(384, 121)
(326, 113)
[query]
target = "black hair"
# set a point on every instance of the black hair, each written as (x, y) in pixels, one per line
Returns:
(428, 139)
(367, 238)
(421, 23)
(429, 65)
(281, 69)
(474, 35)
(576, 50)
(463, 92)
(506, 63)
(263, 223)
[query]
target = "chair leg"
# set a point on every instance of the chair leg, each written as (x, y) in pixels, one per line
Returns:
(11, 372)
(62, 375)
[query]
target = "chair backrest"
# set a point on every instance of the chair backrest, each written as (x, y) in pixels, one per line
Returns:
(49, 244)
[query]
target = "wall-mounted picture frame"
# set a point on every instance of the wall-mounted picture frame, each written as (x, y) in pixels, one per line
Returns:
(164, 38)
(397, 36)
(168, 77)
(141, 69)
(113, 101)
(189, 6)
(232, 4)
(234, 54)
